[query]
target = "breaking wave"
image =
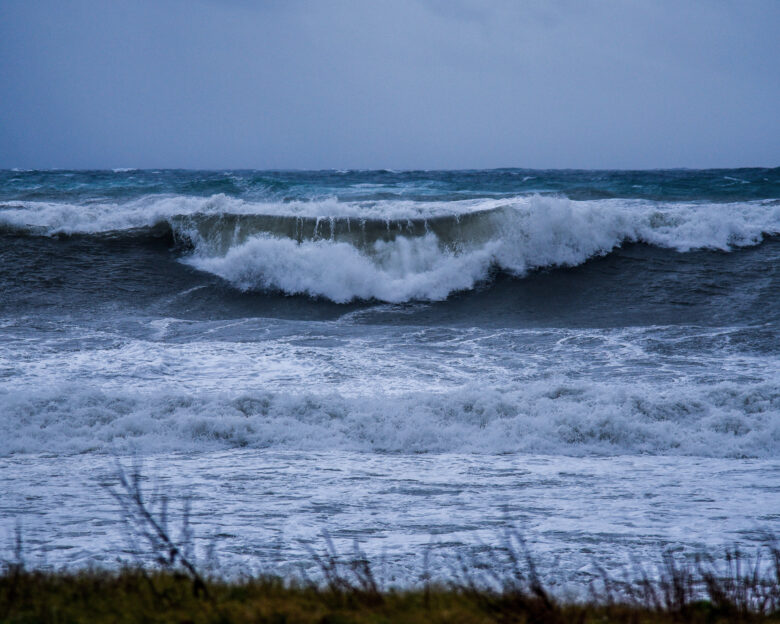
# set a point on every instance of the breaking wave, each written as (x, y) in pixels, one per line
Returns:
(550, 417)
(397, 251)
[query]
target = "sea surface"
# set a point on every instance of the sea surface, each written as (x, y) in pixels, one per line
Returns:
(415, 360)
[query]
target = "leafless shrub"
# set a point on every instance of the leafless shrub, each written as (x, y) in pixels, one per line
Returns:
(153, 528)
(350, 578)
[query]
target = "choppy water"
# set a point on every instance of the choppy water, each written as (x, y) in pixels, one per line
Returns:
(394, 355)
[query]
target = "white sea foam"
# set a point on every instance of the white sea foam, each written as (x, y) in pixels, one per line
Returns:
(401, 270)
(553, 416)
(262, 510)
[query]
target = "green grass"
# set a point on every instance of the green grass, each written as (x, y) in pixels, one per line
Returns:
(134, 595)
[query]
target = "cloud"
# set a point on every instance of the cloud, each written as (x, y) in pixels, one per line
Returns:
(413, 83)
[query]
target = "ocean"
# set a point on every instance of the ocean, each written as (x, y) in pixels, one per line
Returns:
(415, 360)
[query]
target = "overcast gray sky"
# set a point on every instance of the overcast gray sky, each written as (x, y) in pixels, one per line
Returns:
(397, 84)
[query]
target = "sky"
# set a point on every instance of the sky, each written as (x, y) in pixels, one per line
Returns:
(402, 84)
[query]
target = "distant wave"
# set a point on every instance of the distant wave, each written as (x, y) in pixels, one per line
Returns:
(397, 251)
(554, 416)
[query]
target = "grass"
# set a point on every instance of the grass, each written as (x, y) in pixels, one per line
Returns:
(137, 595)
(504, 587)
